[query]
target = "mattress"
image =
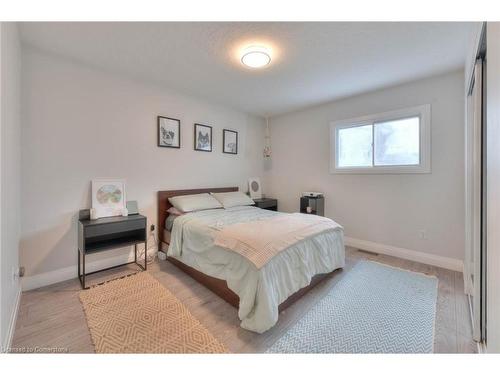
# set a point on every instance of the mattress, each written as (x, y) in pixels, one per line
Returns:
(261, 291)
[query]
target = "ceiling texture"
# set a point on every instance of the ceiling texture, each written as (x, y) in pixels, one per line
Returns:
(312, 62)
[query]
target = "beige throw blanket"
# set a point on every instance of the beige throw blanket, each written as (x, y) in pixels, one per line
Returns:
(259, 241)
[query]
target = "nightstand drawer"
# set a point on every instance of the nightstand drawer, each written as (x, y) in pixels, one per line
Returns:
(267, 203)
(99, 230)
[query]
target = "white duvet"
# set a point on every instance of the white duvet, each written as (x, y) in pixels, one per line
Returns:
(260, 290)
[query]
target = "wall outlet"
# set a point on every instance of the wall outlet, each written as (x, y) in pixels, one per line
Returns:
(15, 274)
(422, 234)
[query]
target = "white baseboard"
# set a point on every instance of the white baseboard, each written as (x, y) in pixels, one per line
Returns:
(12, 322)
(416, 256)
(68, 273)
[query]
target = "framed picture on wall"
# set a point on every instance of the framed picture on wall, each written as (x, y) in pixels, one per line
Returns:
(169, 132)
(230, 141)
(108, 197)
(202, 137)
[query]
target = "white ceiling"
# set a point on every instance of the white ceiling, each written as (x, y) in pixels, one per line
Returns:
(312, 62)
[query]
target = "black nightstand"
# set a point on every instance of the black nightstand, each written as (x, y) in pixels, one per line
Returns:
(267, 203)
(109, 233)
(316, 204)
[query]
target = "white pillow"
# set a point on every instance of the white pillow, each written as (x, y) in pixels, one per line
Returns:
(233, 199)
(194, 202)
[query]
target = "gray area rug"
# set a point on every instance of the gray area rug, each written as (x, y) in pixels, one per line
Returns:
(373, 309)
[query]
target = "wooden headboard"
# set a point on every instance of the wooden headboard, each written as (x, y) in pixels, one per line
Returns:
(164, 204)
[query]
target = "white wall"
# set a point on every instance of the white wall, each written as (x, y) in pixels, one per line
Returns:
(9, 176)
(80, 123)
(385, 209)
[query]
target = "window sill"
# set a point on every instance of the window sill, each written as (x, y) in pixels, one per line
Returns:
(419, 169)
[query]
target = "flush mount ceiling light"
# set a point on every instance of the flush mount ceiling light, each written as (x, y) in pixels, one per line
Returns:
(255, 57)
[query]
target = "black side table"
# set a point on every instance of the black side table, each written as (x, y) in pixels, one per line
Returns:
(267, 203)
(316, 204)
(108, 233)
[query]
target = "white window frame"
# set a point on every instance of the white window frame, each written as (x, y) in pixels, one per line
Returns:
(422, 111)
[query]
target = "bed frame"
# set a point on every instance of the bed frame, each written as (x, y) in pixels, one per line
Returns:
(218, 286)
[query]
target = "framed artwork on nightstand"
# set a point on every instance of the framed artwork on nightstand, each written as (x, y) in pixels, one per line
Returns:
(254, 188)
(108, 197)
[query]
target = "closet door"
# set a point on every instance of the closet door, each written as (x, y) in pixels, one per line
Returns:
(473, 267)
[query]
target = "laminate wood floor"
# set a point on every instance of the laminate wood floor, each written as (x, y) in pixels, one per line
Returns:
(52, 319)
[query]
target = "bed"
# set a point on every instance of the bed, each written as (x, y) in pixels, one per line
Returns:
(259, 293)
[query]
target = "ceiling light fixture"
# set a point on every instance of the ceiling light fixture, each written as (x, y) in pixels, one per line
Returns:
(255, 57)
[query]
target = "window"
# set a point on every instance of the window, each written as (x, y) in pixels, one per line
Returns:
(392, 142)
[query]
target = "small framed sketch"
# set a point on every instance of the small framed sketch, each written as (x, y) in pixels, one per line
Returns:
(169, 132)
(108, 197)
(202, 137)
(230, 141)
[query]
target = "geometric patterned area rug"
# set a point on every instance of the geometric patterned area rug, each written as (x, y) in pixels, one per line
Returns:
(373, 309)
(137, 314)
